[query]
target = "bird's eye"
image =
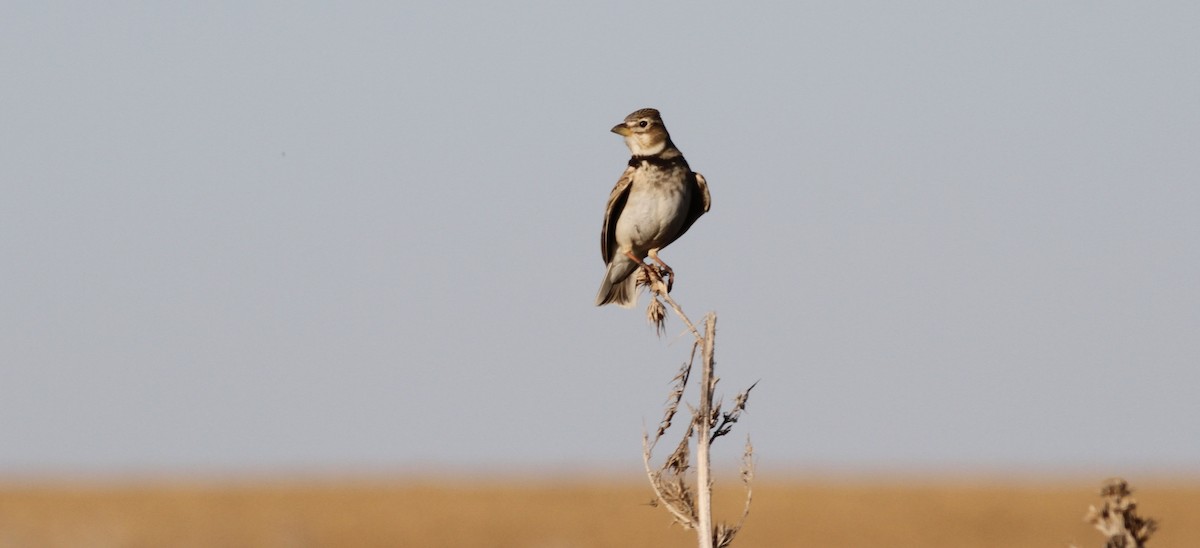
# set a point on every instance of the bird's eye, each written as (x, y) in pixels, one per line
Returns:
(643, 123)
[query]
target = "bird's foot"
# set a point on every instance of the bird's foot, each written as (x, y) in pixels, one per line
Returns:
(657, 274)
(668, 275)
(664, 271)
(652, 277)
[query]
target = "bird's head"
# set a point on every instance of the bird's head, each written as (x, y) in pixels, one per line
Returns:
(644, 132)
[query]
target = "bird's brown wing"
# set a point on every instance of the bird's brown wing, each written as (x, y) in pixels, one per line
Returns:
(699, 205)
(616, 203)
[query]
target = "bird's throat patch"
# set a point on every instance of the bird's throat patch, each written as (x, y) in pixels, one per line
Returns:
(657, 161)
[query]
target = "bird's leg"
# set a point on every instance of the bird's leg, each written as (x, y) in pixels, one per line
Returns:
(635, 259)
(667, 269)
(650, 272)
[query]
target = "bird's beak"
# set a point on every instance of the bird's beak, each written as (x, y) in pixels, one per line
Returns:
(621, 130)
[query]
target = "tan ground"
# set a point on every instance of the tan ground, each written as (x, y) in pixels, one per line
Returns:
(545, 514)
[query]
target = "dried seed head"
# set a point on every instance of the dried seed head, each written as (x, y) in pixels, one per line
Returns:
(656, 314)
(1118, 518)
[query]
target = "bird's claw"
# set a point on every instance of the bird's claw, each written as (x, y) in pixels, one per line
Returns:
(667, 275)
(659, 274)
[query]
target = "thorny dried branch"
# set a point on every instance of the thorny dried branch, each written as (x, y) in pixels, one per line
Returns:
(670, 485)
(678, 384)
(1117, 519)
(724, 534)
(729, 418)
(691, 506)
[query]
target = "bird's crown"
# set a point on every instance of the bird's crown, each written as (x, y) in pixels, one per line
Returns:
(648, 114)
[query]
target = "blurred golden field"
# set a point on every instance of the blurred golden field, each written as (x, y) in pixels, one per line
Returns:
(544, 513)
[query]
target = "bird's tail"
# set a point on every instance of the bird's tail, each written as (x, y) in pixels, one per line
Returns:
(619, 286)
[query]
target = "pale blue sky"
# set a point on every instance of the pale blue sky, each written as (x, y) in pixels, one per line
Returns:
(298, 235)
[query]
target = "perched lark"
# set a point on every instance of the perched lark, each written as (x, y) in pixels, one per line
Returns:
(656, 200)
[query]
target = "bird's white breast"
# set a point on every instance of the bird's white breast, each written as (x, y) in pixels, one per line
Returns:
(654, 211)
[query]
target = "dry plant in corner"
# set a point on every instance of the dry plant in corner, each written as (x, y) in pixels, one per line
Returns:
(691, 504)
(1117, 519)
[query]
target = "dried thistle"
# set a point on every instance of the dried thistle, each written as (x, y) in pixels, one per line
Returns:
(1117, 519)
(691, 506)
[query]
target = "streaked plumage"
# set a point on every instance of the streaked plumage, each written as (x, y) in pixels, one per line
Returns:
(654, 202)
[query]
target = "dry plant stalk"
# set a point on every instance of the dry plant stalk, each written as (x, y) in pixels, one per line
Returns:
(1118, 519)
(692, 507)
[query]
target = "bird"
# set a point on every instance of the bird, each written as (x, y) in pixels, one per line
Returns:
(656, 200)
